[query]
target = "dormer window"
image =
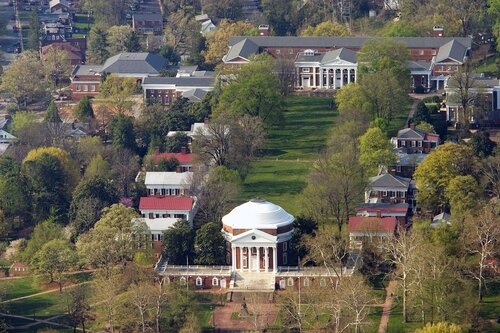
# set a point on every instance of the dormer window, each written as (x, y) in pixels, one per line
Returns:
(309, 52)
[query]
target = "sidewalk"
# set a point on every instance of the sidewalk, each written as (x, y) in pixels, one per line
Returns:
(386, 311)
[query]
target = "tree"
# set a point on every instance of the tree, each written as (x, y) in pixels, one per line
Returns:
(107, 13)
(481, 144)
(23, 80)
(34, 32)
(375, 150)
(225, 9)
(326, 28)
(399, 29)
(209, 245)
(255, 92)
(95, 192)
(425, 127)
(441, 327)
(124, 168)
(98, 167)
(178, 243)
(434, 173)
(56, 65)
(54, 258)
(490, 173)
(65, 160)
(286, 74)
(463, 194)
(97, 52)
(122, 132)
(350, 98)
(401, 252)
(79, 307)
(480, 238)
(217, 41)
(114, 239)
(119, 90)
(176, 32)
(282, 15)
(142, 296)
(422, 113)
(83, 110)
(43, 233)
(52, 114)
(118, 39)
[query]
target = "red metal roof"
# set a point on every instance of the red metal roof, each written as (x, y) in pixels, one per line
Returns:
(166, 203)
(183, 158)
(372, 224)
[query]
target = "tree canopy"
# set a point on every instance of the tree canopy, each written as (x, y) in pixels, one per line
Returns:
(178, 243)
(209, 245)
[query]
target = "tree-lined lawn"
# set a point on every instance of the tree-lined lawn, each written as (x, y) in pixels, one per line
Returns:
(280, 174)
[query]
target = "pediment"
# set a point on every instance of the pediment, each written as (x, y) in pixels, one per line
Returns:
(337, 62)
(254, 236)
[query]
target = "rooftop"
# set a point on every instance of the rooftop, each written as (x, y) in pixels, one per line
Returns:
(134, 63)
(166, 203)
(390, 181)
(257, 214)
(372, 224)
(168, 178)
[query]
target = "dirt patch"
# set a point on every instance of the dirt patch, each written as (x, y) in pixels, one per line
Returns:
(260, 316)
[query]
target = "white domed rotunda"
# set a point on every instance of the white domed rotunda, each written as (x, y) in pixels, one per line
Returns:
(259, 233)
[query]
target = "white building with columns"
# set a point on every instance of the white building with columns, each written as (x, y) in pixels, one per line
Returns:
(327, 70)
(259, 233)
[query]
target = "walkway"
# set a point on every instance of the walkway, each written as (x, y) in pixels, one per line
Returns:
(386, 311)
(37, 321)
(44, 292)
(225, 317)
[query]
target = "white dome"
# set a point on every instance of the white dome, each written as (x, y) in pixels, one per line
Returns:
(257, 214)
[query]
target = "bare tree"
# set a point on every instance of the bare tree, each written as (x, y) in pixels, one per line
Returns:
(160, 299)
(355, 297)
(286, 74)
(480, 239)
(401, 251)
(141, 296)
(107, 290)
(490, 170)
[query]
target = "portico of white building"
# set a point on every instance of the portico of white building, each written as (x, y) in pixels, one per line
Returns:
(329, 70)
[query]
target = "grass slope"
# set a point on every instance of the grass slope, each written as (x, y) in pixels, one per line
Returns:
(280, 174)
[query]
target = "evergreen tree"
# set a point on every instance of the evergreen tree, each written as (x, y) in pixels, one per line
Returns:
(34, 31)
(122, 131)
(132, 43)
(83, 111)
(52, 114)
(97, 52)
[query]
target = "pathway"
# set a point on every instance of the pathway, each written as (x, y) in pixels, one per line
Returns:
(222, 317)
(44, 292)
(38, 321)
(386, 311)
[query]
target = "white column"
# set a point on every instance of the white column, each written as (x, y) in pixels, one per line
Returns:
(314, 77)
(241, 258)
(275, 259)
(348, 75)
(334, 78)
(266, 259)
(249, 259)
(356, 75)
(233, 257)
(258, 259)
(321, 77)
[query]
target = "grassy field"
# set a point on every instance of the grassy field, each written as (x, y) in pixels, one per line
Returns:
(488, 67)
(18, 288)
(280, 174)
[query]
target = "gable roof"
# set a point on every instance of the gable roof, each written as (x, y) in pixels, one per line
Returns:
(413, 65)
(183, 81)
(167, 178)
(158, 225)
(195, 95)
(52, 3)
(133, 63)
(372, 224)
(452, 50)
(411, 133)
(340, 54)
(242, 49)
(6, 135)
(165, 203)
(405, 159)
(388, 180)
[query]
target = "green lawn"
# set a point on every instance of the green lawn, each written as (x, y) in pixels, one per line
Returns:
(396, 325)
(488, 67)
(41, 306)
(18, 288)
(280, 174)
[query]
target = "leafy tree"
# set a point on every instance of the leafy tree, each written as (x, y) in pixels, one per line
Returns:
(255, 92)
(66, 162)
(122, 132)
(83, 110)
(95, 192)
(178, 242)
(463, 194)
(399, 29)
(52, 114)
(375, 150)
(118, 90)
(107, 13)
(55, 258)
(56, 65)
(422, 113)
(225, 9)
(114, 239)
(23, 80)
(34, 31)
(209, 245)
(168, 52)
(43, 233)
(282, 15)
(217, 41)
(9, 166)
(48, 186)
(158, 163)
(133, 43)
(97, 52)
(350, 98)
(15, 201)
(118, 39)
(425, 127)
(434, 173)
(98, 167)
(441, 327)
(327, 28)
(489, 170)
(79, 307)
(481, 144)
(175, 143)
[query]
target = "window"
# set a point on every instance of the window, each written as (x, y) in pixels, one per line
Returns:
(177, 191)
(157, 216)
(322, 282)
(278, 51)
(384, 193)
(92, 87)
(290, 51)
(199, 281)
(413, 143)
(421, 52)
(285, 259)
(282, 284)
(398, 168)
(420, 143)
(434, 52)
(306, 282)
(253, 251)
(289, 282)
(245, 249)
(215, 281)
(159, 237)
(403, 143)
(305, 69)
(182, 280)
(78, 87)
(245, 263)
(153, 236)
(85, 87)
(285, 246)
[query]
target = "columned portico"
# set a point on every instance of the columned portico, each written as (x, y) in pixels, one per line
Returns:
(262, 262)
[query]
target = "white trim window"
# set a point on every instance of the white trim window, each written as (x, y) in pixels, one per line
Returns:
(384, 193)
(420, 143)
(215, 282)
(307, 283)
(289, 282)
(285, 259)
(403, 143)
(183, 280)
(199, 281)
(413, 143)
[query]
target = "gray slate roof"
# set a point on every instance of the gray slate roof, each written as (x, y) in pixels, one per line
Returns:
(148, 17)
(410, 133)
(348, 42)
(418, 65)
(381, 205)
(243, 48)
(388, 180)
(340, 54)
(181, 81)
(453, 49)
(195, 95)
(86, 70)
(130, 63)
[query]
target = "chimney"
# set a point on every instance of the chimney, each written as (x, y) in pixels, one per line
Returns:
(437, 31)
(263, 30)
(379, 213)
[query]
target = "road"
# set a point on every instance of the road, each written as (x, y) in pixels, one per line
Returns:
(8, 38)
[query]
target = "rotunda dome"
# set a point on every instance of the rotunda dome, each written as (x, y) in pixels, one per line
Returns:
(257, 214)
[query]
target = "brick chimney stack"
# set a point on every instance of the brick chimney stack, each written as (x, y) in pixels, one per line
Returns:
(263, 30)
(438, 31)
